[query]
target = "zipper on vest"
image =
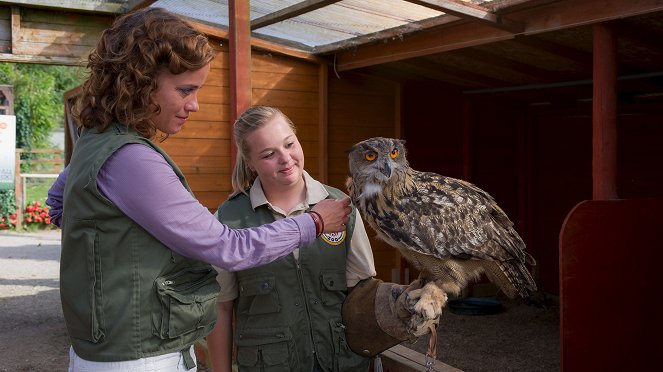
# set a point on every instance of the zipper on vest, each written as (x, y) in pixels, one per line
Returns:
(300, 278)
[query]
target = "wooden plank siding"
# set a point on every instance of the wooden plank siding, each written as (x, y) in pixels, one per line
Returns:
(361, 107)
(5, 29)
(48, 36)
(292, 86)
(202, 149)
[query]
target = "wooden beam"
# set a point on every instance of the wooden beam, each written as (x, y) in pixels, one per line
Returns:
(450, 73)
(44, 60)
(290, 12)
(137, 4)
(323, 123)
(567, 14)
(15, 28)
(106, 7)
(239, 64)
(259, 43)
(402, 359)
(604, 114)
(580, 57)
(472, 12)
(499, 62)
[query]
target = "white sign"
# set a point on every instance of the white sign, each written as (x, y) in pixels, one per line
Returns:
(7, 151)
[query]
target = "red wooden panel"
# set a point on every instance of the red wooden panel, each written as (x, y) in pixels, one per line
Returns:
(610, 251)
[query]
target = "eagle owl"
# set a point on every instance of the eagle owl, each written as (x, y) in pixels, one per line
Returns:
(449, 229)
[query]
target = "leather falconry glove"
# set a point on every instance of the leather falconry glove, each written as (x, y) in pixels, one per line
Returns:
(379, 315)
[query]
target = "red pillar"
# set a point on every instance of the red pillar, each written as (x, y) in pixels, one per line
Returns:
(239, 42)
(604, 115)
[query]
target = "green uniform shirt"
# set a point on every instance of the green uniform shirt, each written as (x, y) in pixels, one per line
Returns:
(289, 311)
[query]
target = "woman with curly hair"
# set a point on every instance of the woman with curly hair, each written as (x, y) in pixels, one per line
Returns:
(136, 283)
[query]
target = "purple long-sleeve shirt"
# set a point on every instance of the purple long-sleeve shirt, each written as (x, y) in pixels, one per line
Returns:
(140, 182)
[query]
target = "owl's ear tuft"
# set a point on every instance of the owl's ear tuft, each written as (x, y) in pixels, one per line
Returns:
(351, 149)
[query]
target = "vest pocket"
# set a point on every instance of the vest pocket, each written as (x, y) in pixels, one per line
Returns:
(266, 349)
(188, 301)
(260, 294)
(344, 359)
(333, 284)
(80, 274)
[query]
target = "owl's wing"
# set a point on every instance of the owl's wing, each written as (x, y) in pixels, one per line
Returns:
(447, 217)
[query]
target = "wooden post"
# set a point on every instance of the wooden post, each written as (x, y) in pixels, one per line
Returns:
(467, 139)
(604, 115)
(239, 43)
(323, 131)
(16, 30)
(18, 189)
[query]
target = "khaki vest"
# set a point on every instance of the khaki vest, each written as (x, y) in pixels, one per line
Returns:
(288, 311)
(124, 294)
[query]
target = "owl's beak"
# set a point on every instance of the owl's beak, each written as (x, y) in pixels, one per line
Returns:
(386, 170)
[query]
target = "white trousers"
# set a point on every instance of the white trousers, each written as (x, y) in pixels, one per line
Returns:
(161, 363)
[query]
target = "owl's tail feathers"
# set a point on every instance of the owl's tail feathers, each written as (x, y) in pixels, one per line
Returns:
(513, 278)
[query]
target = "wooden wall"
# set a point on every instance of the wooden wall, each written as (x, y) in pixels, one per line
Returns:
(361, 107)
(291, 85)
(202, 148)
(536, 161)
(48, 36)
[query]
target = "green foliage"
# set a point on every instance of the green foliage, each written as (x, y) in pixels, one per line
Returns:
(7, 202)
(7, 208)
(38, 99)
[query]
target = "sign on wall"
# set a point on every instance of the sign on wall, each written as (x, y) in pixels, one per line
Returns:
(7, 151)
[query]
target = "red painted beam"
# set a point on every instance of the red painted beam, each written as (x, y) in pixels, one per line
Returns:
(604, 115)
(239, 42)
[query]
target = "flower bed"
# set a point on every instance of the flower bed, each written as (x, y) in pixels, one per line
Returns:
(35, 217)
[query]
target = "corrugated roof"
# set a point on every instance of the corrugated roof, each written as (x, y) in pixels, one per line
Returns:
(330, 24)
(319, 30)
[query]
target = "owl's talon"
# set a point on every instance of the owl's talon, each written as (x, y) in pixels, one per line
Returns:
(419, 326)
(431, 300)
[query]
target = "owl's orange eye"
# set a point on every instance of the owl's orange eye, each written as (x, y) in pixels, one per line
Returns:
(394, 153)
(370, 156)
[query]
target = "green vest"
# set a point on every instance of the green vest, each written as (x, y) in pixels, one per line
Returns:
(124, 294)
(288, 311)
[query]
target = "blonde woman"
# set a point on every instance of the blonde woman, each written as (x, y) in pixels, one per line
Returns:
(288, 312)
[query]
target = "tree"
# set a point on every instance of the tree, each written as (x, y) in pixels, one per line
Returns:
(39, 108)
(38, 99)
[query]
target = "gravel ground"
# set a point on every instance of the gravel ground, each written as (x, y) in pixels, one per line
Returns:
(33, 336)
(32, 332)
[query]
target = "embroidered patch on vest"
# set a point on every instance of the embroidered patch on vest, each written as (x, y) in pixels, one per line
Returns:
(334, 238)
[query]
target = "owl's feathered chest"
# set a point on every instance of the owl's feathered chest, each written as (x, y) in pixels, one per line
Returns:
(430, 213)
(388, 207)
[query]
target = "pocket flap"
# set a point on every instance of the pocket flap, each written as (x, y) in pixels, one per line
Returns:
(334, 280)
(263, 336)
(275, 354)
(247, 356)
(257, 286)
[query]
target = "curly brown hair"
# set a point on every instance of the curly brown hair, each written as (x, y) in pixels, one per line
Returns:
(124, 65)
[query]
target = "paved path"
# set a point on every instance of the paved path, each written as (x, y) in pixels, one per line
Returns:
(32, 332)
